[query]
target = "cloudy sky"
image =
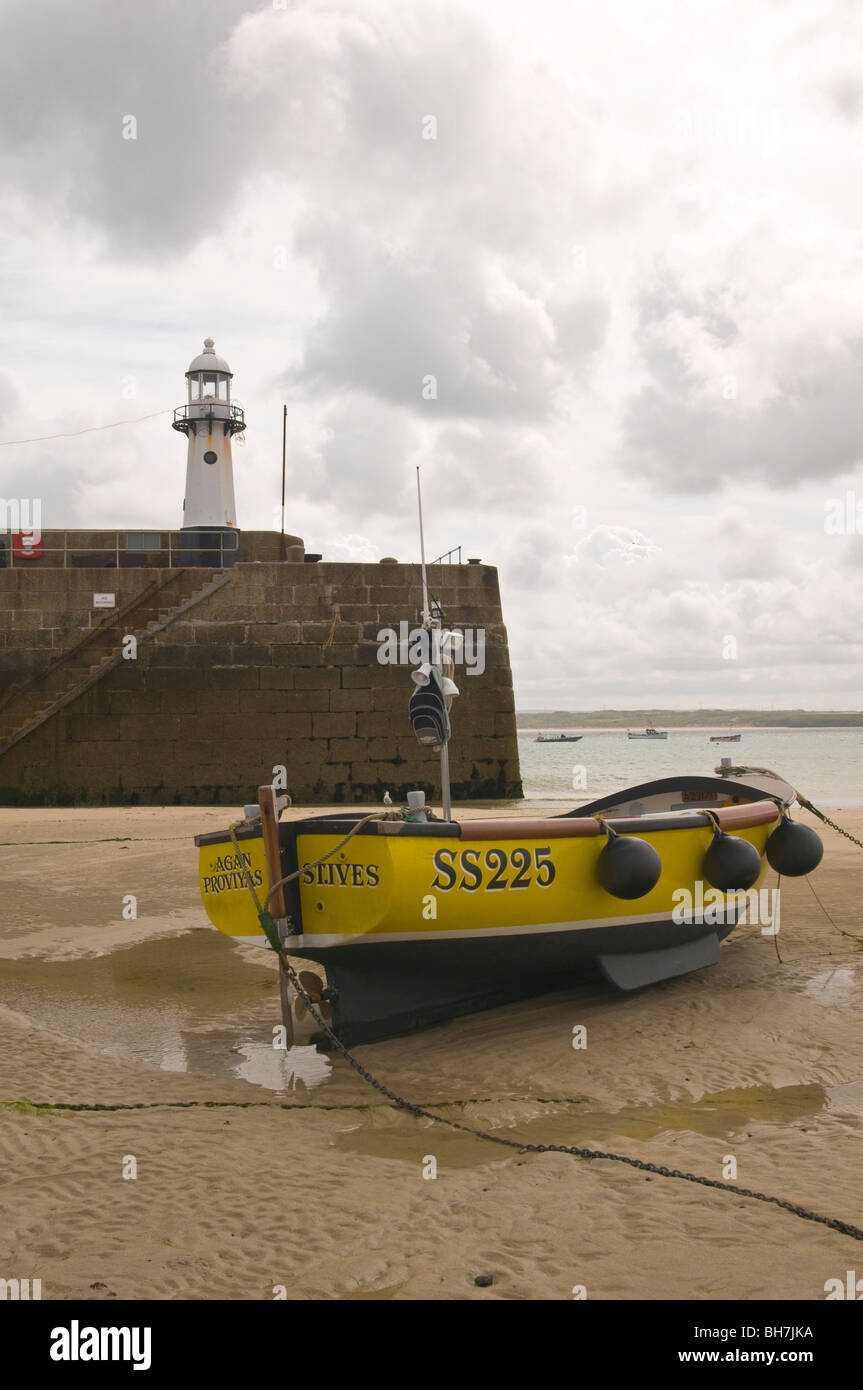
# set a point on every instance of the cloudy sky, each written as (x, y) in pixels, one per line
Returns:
(624, 238)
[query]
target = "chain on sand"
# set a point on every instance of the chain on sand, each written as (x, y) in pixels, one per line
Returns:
(843, 1227)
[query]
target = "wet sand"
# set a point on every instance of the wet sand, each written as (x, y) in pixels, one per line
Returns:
(257, 1169)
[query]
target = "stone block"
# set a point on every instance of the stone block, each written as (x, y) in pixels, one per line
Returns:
(211, 702)
(327, 678)
(346, 750)
(358, 677)
(100, 728)
(251, 654)
(160, 678)
(394, 698)
(160, 654)
(307, 608)
(374, 725)
(231, 678)
(204, 655)
(210, 632)
(295, 654)
(274, 632)
(356, 701)
(341, 725)
(306, 701)
(150, 729)
(130, 701)
(317, 633)
(277, 678)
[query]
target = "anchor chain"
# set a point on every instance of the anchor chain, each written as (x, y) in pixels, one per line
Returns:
(576, 1151)
(827, 821)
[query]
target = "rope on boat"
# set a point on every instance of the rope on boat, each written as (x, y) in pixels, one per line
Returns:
(269, 928)
(807, 804)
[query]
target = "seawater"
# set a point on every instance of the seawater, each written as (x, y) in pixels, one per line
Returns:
(825, 765)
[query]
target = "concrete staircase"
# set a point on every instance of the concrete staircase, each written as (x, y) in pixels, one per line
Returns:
(30, 704)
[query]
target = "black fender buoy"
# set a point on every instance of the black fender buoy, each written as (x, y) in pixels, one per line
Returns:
(628, 867)
(794, 849)
(732, 865)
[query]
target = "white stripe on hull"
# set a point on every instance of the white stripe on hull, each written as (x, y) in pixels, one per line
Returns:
(311, 939)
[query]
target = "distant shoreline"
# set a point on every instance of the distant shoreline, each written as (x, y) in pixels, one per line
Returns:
(684, 728)
(717, 721)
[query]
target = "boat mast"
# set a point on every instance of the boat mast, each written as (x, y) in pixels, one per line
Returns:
(430, 624)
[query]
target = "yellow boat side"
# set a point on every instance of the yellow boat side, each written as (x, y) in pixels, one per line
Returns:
(390, 887)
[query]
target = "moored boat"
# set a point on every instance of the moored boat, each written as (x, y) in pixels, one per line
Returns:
(558, 738)
(647, 733)
(408, 923)
(725, 738)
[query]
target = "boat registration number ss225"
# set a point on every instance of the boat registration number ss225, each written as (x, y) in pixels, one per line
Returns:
(495, 869)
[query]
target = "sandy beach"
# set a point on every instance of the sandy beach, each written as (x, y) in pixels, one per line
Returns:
(258, 1171)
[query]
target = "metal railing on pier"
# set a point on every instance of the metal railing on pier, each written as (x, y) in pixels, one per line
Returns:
(446, 558)
(119, 550)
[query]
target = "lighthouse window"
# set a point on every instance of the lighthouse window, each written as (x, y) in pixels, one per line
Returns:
(194, 388)
(210, 457)
(209, 387)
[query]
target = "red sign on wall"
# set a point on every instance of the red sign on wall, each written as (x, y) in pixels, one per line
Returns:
(26, 545)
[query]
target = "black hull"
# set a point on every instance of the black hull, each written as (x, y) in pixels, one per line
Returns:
(388, 989)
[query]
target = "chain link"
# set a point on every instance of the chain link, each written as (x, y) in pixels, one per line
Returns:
(827, 821)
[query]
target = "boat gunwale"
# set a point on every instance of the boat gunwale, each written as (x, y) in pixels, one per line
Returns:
(745, 815)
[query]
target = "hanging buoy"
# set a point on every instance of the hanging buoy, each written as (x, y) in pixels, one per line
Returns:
(732, 865)
(794, 849)
(627, 867)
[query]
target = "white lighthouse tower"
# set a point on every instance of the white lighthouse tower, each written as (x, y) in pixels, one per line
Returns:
(209, 420)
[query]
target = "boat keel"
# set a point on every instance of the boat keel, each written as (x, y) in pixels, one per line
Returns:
(635, 969)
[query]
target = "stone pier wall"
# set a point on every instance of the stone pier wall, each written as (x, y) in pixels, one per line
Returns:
(277, 668)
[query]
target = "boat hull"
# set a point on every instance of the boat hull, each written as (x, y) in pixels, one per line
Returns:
(415, 985)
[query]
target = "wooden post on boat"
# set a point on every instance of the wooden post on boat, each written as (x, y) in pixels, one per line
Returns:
(278, 907)
(272, 851)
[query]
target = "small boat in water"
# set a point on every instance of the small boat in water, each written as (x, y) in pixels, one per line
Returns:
(647, 733)
(725, 738)
(558, 738)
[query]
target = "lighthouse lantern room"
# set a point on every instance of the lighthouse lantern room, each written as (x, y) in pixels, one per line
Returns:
(209, 421)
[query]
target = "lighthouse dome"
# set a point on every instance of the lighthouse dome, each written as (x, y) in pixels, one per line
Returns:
(208, 361)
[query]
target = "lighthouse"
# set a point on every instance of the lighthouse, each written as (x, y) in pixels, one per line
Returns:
(209, 420)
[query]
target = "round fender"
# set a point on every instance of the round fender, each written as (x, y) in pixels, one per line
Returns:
(628, 867)
(732, 865)
(794, 849)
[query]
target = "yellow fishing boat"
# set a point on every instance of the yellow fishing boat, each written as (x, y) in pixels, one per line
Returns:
(411, 922)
